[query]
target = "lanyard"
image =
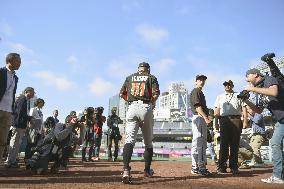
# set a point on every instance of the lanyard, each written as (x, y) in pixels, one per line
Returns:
(228, 101)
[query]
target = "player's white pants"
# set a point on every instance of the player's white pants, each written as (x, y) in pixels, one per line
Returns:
(199, 142)
(139, 115)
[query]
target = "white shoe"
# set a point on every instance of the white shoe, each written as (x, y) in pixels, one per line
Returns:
(256, 164)
(273, 180)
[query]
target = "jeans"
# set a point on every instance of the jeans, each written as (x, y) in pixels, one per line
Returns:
(210, 147)
(277, 151)
(98, 141)
(116, 141)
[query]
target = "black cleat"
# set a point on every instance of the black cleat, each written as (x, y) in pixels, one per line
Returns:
(235, 171)
(205, 173)
(221, 171)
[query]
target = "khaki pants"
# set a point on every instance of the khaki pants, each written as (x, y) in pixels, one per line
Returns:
(15, 143)
(5, 123)
(256, 142)
(243, 155)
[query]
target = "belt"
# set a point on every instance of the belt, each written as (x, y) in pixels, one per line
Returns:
(231, 116)
(139, 102)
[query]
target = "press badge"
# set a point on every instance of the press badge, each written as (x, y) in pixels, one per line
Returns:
(227, 107)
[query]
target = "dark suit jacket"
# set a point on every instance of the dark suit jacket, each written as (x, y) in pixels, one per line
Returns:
(3, 83)
(21, 117)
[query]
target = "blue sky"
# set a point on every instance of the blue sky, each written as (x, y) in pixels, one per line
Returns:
(78, 53)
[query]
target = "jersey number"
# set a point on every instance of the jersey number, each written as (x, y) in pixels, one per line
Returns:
(138, 89)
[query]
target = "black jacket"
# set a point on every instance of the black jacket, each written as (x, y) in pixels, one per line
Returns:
(3, 83)
(21, 117)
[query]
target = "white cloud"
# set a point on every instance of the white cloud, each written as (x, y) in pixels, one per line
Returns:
(101, 87)
(164, 65)
(129, 5)
(151, 35)
(5, 28)
(20, 48)
(123, 66)
(58, 81)
(72, 60)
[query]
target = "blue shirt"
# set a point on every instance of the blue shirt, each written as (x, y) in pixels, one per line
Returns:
(257, 124)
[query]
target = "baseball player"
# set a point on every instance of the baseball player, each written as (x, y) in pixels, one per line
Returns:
(140, 90)
(200, 120)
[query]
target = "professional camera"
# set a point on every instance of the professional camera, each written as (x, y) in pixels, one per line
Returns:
(89, 111)
(275, 72)
(81, 118)
(49, 124)
(100, 110)
(244, 95)
(268, 57)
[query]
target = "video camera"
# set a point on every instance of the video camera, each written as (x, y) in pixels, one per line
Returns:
(244, 95)
(89, 111)
(275, 72)
(100, 110)
(49, 124)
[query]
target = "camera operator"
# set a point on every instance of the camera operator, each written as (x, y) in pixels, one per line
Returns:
(113, 133)
(66, 138)
(89, 133)
(270, 95)
(56, 146)
(99, 120)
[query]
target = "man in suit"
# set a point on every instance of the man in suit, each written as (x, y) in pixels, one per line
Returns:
(8, 87)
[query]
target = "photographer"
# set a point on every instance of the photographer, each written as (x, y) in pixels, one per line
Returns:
(270, 95)
(113, 133)
(99, 120)
(257, 136)
(56, 146)
(89, 133)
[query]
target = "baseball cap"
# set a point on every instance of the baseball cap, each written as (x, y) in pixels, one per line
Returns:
(144, 64)
(29, 89)
(201, 77)
(72, 113)
(253, 71)
(229, 82)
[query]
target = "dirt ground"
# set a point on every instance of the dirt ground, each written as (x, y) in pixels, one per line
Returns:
(103, 174)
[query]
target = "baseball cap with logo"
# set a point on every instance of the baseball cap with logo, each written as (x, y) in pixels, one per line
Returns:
(29, 89)
(253, 71)
(144, 64)
(229, 82)
(201, 77)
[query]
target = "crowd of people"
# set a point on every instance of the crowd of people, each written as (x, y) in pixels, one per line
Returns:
(52, 141)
